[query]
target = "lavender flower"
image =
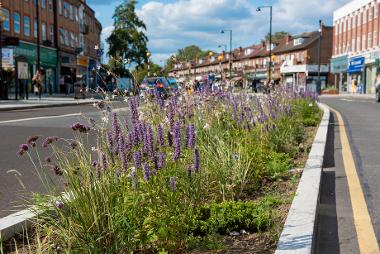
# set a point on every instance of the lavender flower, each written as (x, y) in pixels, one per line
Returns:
(80, 127)
(170, 138)
(172, 183)
(160, 136)
(134, 178)
(122, 151)
(115, 126)
(49, 140)
(137, 157)
(177, 140)
(22, 149)
(110, 143)
(197, 164)
(146, 172)
(104, 161)
(148, 142)
(161, 160)
(190, 136)
(134, 112)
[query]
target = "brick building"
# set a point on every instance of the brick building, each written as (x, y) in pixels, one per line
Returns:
(68, 32)
(356, 51)
(295, 62)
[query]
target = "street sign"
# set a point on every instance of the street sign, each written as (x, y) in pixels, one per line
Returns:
(22, 70)
(7, 58)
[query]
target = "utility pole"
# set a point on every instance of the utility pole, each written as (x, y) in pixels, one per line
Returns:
(38, 33)
(319, 57)
(1, 53)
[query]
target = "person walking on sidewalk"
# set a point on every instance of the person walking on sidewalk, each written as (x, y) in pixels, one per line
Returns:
(37, 84)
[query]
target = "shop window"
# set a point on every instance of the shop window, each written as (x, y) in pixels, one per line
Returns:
(353, 49)
(370, 14)
(76, 14)
(72, 40)
(66, 38)
(62, 36)
(26, 26)
(51, 30)
(16, 21)
(43, 4)
(43, 31)
(6, 20)
(375, 38)
(369, 41)
(358, 44)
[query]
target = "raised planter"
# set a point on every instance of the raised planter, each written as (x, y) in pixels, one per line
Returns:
(299, 232)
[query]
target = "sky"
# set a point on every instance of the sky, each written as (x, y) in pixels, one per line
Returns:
(174, 24)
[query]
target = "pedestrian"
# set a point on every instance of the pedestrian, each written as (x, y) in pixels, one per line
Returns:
(37, 84)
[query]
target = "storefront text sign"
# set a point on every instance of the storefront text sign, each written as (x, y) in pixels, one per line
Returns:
(356, 64)
(7, 58)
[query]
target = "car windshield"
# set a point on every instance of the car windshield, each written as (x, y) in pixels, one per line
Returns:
(154, 81)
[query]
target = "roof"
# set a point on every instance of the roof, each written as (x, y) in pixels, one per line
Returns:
(309, 38)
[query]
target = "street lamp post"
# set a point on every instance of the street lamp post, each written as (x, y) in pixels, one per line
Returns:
(270, 39)
(319, 57)
(223, 45)
(1, 52)
(230, 58)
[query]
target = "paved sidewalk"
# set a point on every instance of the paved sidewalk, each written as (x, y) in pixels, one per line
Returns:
(348, 95)
(34, 102)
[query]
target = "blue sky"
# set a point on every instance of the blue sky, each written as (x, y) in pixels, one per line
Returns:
(173, 24)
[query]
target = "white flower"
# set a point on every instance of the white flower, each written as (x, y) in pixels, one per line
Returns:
(126, 99)
(105, 119)
(206, 127)
(93, 149)
(310, 104)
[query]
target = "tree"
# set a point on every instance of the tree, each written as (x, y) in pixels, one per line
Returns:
(127, 41)
(277, 36)
(186, 54)
(140, 73)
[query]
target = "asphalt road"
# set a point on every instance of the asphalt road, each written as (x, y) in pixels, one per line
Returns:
(15, 127)
(336, 224)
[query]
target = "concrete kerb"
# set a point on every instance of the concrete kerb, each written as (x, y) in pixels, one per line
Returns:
(299, 232)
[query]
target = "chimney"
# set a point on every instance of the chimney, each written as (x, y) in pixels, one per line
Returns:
(288, 38)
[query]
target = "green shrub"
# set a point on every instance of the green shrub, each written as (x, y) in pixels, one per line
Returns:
(278, 164)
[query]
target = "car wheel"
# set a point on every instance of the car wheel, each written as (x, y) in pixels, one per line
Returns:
(378, 96)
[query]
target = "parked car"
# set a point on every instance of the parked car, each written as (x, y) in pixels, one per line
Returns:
(152, 84)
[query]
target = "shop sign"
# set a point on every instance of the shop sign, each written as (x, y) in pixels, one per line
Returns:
(356, 64)
(82, 61)
(22, 70)
(339, 64)
(7, 58)
(48, 57)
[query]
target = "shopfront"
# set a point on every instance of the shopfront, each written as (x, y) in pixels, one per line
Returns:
(356, 74)
(27, 53)
(372, 71)
(67, 73)
(339, 70)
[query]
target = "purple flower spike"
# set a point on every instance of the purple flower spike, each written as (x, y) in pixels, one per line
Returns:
(115, 126)
(172, 183)
(161, 160)
(104, 161)
(177, 140)
(197, 164)
(190, 142)
(137, 157)
(170, 139)
(146, 172)
(160, 136)
(110, 143)
(134, 178)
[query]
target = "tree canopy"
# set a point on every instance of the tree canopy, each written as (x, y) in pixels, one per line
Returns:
(127, 42)
(277, 36)
(186, 54)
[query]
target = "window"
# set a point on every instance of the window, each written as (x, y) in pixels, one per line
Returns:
(353, 22)
(76, 41)
(364, 16)
(60, 7)
(51, 5)
(370, 14)
(16, 21)
(72, 40)
(344, 26)
(336, 28)
(71, 12)
(375, 39)
(358, 44)
(66, 9)
(369, 40)
(62, 36)
(35, 27)
(363, 42)
(26, 26)
(298, 41)
(6, 21)
(353, 45)
(43, 31)
(349, 24)
(376, 11)
(43, 4)
(51, 31)
(66, 38)
(76, 14)
(360, 19)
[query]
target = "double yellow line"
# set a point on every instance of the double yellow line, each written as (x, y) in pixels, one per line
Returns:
(362, 220)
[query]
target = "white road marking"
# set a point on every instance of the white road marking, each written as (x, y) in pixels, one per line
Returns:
(50, 117)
